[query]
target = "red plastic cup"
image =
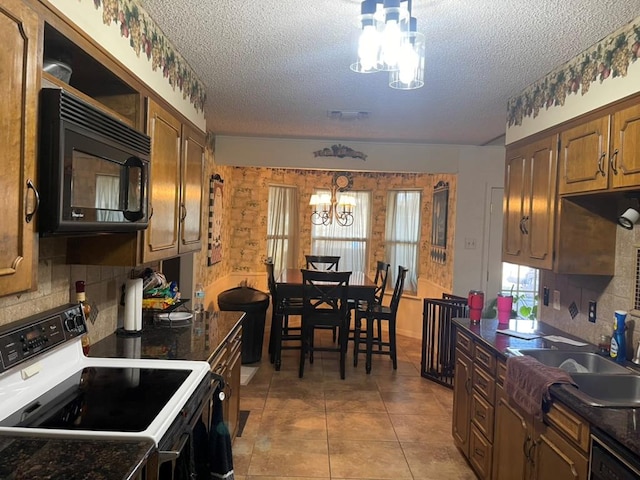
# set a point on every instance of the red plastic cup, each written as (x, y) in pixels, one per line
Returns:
(476, 304)
(504, 304)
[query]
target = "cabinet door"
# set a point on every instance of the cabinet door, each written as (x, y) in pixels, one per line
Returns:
(556, 458)
(19, 33)
(625, 148)
(584, 157)
(511, 441)
(514, 206)
(161, 236)
(539, 226)
(462, 401)
(191, 199)
(530, 204)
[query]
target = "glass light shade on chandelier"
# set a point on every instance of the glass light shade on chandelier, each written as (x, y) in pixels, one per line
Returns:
(326, 208)
(389, 41)
(410, 72)
(368, 40)
(392, 22)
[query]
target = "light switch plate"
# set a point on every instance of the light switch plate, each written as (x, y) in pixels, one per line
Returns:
(556, 299)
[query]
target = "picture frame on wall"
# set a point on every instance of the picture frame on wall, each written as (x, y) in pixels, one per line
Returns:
(439, 222)
(216, 206)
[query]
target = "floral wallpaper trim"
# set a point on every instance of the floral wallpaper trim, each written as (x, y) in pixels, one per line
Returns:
(607, 59)
(145, 36)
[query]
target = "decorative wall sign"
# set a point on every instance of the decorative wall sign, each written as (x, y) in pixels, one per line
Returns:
(214, 243)
(439, 222)
(339, 151)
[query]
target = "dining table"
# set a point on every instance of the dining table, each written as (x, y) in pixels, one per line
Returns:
(361, 287)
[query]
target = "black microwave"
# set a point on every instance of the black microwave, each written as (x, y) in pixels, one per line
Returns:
(93, 169)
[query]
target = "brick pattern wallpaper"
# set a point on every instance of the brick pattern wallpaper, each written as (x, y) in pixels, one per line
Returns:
(245, 222)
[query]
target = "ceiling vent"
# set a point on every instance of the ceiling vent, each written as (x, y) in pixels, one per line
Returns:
(347, 115)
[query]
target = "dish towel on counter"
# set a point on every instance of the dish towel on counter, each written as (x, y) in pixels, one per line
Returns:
(527, 383)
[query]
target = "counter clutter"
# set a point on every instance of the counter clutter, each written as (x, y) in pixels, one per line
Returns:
(481, 354)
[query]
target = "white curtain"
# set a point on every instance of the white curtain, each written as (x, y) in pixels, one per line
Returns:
(350, 243)
(402, 235)
(108, 199)
(282, 227)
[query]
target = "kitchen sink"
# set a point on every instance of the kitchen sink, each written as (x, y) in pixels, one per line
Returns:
(602, 390)
(574, 361)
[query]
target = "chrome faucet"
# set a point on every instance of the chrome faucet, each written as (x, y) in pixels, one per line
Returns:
(636, 359)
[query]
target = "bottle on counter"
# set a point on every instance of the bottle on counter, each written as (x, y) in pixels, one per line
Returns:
(198, 302)
(81, 298)
(618, 349)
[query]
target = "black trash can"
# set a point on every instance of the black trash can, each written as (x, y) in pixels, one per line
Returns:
(254, 303)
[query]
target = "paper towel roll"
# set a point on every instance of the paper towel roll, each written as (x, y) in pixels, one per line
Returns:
(133, 305)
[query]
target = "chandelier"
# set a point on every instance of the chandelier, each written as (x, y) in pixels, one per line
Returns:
(389, 42)
(336, 204)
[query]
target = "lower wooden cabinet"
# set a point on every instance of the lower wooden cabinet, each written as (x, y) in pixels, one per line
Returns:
(499, 440)
(461, 401)
(525, 449)
(227, 363)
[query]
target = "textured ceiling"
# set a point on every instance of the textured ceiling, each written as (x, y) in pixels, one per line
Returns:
(276, 67)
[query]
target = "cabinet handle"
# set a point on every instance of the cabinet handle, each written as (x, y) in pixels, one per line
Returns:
(525, 449)
(612, 161)
(467, 385)
(478, 452)
(151, 213)
(480, 414)
(522, 229)
(29, 216)
(530, 453)
(600, 164)
(183, 212)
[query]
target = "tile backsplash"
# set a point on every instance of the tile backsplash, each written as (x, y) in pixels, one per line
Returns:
(610, 292)
(56, 286)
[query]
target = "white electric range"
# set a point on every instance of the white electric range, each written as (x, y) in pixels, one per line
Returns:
(49, 387)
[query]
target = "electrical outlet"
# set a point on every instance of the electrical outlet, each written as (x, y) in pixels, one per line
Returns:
(556, 299)
(592, 311)
(545, 296)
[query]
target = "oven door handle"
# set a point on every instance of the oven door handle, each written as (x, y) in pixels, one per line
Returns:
(165, 456)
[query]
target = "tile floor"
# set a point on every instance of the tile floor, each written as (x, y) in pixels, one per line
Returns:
(386, 425)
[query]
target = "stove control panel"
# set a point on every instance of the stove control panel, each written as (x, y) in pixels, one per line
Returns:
(24, 339)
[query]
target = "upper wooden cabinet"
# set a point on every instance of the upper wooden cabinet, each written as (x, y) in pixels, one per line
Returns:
(19, 34)
(176, 186)
(592, 159)
(529, 203)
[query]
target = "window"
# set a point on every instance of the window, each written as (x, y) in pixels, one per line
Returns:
(350, 243)
(402, 235)
(522, 283)
(282, 227)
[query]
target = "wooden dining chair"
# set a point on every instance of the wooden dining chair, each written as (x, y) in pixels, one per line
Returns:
(282, 336)
(378, 314)
(380, 279)
(324, 304)
(322, 262)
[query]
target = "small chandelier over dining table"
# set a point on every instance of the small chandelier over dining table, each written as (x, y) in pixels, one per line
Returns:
(334, 205)
(389, 42)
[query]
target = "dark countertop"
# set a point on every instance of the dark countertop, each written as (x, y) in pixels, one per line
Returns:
(191, 342)
(620, 424)
(37, 458)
